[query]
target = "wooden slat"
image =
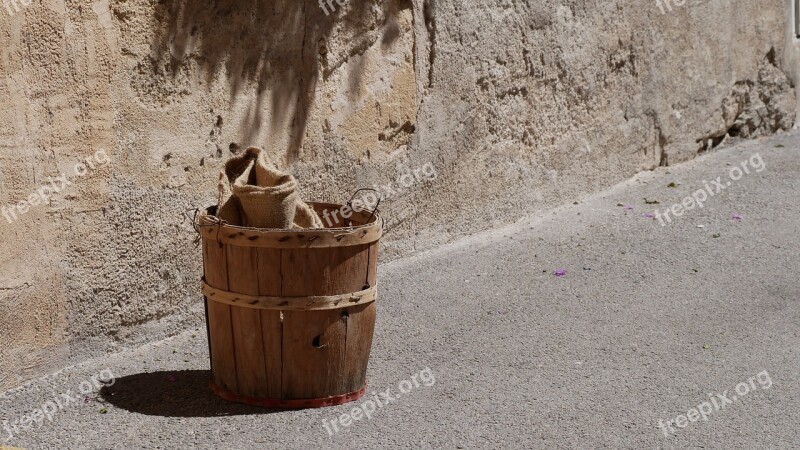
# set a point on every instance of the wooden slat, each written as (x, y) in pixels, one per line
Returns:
(372, 274)
(247, 338)
(223, 365)
(309, 371)
(330, 271)
(269, 283)
(360, 329)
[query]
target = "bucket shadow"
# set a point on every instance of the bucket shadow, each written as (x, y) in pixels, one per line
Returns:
(183, 393)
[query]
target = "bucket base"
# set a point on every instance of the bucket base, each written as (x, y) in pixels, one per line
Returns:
(286, 404)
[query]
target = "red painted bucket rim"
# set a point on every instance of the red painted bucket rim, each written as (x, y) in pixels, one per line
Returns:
(286, 404)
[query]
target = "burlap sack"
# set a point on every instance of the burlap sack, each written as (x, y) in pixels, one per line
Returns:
(254, 193)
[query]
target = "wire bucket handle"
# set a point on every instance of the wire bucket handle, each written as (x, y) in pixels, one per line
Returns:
(191, 215)
(192, 218)
(374, 210)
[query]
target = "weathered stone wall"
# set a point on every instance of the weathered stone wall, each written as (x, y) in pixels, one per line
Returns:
(518, 105)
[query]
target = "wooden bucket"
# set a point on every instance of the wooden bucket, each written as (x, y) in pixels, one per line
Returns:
(291, 313)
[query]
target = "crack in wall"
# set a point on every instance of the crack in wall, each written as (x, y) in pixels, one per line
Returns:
(429, 15)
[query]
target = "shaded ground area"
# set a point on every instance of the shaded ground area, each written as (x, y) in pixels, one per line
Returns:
(647, 323)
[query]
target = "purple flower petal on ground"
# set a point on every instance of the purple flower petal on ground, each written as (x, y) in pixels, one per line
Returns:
(649, 215)
(172, 378)
(560, 272)
(737, 217)
(629, 207)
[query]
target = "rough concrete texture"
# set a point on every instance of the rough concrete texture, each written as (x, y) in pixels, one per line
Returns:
(518, 105)
(647, 323)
